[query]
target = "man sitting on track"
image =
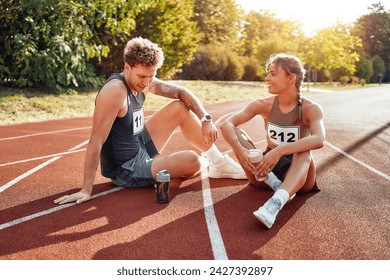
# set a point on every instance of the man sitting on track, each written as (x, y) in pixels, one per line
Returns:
(128, 148)
(294, 127)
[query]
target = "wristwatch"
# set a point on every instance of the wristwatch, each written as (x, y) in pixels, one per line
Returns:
(205, 118)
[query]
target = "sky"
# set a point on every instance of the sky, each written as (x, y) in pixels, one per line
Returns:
(314, 14)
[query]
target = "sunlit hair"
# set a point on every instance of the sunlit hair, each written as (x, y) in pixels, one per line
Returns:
(142, 51)
(291, 64)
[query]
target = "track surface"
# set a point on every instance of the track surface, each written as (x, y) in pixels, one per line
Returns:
(206, 218)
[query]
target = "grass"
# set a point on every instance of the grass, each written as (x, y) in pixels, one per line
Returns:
(22, 106)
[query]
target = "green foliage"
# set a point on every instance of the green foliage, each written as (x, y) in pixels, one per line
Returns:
(374, 30)
(344, 80)
(333, 49)
(213, 63)
(378, 67)
(251, 68)
(169, 24)
(61, 45)
(45, 43)
(51, 43)
(264, 35)
(365, 69)
(219, 22)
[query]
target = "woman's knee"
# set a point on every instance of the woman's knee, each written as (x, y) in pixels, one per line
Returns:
(304, 158)
(310, 178)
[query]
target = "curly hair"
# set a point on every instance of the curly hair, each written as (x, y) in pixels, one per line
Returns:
(291, 64)
(142, 51)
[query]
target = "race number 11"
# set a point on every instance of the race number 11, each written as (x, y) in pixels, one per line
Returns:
(138, 121)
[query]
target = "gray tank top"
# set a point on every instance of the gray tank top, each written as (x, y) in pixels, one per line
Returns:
(285, 128)
(123, 141)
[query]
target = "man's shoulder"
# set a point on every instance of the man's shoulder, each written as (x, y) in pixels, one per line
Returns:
(114, 85)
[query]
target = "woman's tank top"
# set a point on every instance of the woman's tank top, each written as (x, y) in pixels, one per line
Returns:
(285, 128)
(122, 143)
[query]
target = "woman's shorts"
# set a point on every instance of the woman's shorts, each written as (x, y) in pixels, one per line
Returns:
(281, 168)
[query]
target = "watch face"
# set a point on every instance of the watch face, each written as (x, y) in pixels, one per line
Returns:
(208, 117)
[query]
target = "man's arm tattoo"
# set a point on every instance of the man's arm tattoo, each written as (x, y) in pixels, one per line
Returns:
(181, 93)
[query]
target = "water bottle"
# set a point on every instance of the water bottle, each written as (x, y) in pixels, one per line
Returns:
(255, 156)
(162, 186)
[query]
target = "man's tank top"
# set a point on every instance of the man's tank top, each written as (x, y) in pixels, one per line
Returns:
(285, 128)
(122, 143)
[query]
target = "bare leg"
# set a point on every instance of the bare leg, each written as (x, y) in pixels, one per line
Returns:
(161, 126)
(301, 174)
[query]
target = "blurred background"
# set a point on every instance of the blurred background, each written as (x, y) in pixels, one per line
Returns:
(57, 45)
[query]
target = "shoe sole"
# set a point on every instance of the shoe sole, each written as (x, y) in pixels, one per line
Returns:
(262, 219)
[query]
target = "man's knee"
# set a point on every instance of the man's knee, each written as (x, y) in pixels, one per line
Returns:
(194, 163)
(178, 107)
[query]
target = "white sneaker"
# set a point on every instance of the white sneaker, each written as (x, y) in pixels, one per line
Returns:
(204, 162)
(268, 212)
(226, 169)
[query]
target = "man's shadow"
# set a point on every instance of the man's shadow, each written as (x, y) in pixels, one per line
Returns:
(119, 208)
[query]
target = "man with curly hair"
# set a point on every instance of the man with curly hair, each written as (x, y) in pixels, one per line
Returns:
(129, 148)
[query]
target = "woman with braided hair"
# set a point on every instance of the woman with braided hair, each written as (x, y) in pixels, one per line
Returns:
(294, 126)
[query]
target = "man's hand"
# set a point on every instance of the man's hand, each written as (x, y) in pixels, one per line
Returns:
(79, 197)
(210, 132)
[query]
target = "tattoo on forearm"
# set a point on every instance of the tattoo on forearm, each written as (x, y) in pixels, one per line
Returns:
(177, 92)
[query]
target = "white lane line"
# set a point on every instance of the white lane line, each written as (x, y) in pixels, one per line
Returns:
(42, 157)
(44, 133)
(216, 240)
(51, 210)
(35, 169)
(358, 161)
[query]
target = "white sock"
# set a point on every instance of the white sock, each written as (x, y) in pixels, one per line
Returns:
(272, 180)
(213, 154)
(282, 195)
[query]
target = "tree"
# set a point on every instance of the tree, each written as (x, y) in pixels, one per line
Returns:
(365, 69)
(219, 22)
(378, 67)
(264, 34)
(169, 23)
(333, 49)
(51, 43)
(374, 30)
(213, 62)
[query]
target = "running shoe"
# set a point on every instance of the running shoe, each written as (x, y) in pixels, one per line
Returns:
(268, 212)
(228, 168)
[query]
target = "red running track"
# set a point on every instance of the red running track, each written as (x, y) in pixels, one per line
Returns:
(205, 219)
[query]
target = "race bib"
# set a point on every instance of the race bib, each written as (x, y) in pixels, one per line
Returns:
(280, 135)
(138, 121)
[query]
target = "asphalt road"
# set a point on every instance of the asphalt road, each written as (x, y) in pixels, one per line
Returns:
(358, 121)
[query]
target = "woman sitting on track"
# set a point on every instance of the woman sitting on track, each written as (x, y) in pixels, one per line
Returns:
(294, 126)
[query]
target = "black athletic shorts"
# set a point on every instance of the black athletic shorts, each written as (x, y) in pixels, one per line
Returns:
(281, 168)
